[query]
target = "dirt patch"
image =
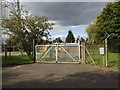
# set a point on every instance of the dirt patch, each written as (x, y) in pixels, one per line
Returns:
(59, 76)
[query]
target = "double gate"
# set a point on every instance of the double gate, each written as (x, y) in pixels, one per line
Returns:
(60, 53)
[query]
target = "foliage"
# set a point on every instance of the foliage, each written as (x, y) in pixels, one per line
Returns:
(25, 27)
(70, 37)
(92, 33)
(57, 40)
(108, 21)
(11, 41)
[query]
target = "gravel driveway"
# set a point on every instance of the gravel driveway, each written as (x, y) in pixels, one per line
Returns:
(58, 76)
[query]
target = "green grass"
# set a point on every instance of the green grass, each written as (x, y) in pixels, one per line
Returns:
(15, 60)
(112, 57)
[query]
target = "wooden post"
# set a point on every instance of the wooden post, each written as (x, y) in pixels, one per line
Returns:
(79, 49)
(103, 60)
(10, 51)
(106, 52)
(56, 50)
(5, 51)
(82, 49)
(84, 52)
(34, 51)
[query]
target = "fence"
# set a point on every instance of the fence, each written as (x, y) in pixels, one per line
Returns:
(109, 57)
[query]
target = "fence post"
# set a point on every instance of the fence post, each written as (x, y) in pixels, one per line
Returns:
(79, 45)
(5, 51)
(84, 52)
(106, 51)
(34, 51)
(56, 49)
(103, 60)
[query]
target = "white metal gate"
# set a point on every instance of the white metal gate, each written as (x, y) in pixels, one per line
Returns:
(59, 53)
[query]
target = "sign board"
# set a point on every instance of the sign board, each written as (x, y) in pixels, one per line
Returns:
(102, 50)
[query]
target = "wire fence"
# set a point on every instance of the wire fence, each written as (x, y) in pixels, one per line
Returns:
(107, 57)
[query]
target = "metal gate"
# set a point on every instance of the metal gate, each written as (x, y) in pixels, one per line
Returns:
(59, 53)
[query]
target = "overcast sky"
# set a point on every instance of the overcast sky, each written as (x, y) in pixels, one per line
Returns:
(67, 15)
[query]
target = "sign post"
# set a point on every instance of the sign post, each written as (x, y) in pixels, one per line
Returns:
(102, 51)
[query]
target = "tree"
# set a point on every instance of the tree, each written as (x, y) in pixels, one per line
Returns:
(25, 27)
(108, 22)
(70, 37)
(93, 36)
(57, 40)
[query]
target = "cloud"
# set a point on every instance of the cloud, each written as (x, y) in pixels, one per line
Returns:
(66, 13)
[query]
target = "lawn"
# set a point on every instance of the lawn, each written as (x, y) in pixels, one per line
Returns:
(15, 60)
(98, 58)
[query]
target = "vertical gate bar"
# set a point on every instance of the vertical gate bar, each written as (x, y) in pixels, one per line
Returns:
(36, 52)
(56, 53)
(84, 52)
(106, 51)
(79, 49)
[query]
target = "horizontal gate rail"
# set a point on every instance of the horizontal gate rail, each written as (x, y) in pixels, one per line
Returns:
(57, 50)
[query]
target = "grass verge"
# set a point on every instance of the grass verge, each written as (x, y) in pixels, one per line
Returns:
(15, 60)
(113, 60)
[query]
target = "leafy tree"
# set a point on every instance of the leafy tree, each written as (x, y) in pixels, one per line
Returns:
(70, 37)
(11, 41)
(25, 27)
(92, 33)
(108, 22)
(57, 40)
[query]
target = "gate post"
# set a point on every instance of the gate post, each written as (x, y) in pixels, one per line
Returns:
(34, 51)
(56, 50)
(79, 46)
(83, 52)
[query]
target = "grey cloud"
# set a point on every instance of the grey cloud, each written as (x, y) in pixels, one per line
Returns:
(66, 13)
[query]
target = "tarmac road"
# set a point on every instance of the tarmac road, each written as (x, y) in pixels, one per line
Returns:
(58, 76)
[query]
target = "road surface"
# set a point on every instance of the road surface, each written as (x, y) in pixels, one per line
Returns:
(58, 76)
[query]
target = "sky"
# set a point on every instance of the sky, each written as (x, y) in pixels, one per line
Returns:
(74, 16)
